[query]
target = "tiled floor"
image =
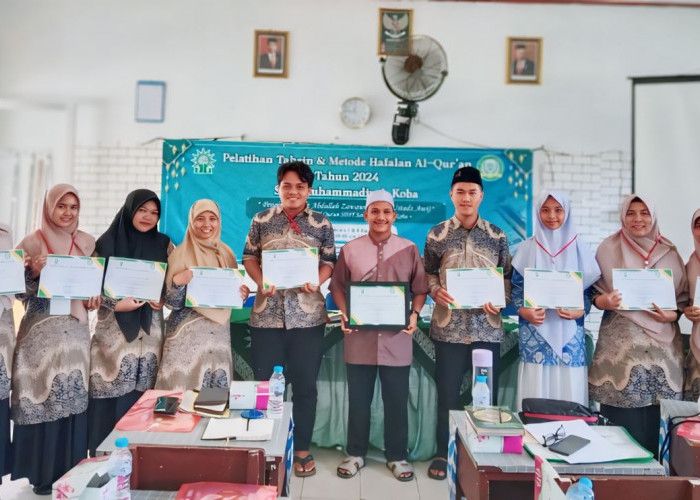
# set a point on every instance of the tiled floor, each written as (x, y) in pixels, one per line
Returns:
(374, 481)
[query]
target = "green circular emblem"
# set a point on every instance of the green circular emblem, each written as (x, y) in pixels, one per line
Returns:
(491, 168)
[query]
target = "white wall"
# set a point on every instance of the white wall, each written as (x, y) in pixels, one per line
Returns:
(92, 53)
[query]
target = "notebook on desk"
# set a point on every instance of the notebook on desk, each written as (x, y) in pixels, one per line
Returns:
(241, 429)
(211, 400)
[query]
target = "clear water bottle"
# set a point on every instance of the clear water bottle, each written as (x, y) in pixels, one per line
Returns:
(276, 399)
(119, 466)
(582, 490)
(481, 396)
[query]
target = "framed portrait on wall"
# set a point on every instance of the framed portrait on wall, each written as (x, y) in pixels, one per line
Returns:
(395, 28)
(524, 60)
(271, 54)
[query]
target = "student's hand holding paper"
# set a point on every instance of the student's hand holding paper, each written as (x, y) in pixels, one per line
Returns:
(343, 324)
(36, 264)
(692, 313)
(183, 277)
(128, 304)
(412, 325)
(609, 301)
(245, 291)
(443, 298)
(309, 288)
(489, 308)
(662, 315)
(534, 316)
(570, 313)
(93, 303)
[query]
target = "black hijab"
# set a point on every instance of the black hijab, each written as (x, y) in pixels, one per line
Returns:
(122, 239)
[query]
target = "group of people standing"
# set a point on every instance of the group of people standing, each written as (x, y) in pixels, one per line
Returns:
(69, 387)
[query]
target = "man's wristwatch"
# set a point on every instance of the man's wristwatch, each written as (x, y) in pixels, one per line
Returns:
(413, 311)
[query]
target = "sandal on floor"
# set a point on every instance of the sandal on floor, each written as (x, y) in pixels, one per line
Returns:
(402, 470)
(350, 466)
(439, 464)
(303, 461)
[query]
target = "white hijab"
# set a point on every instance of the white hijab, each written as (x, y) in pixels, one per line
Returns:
(5, 244)
(561, 250)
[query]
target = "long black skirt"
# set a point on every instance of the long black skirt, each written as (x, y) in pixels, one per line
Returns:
(44, 452)
(104, 413)
(5, 444)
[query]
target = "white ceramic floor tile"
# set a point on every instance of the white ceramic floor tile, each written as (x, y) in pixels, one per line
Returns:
(326, 484)
(378, 483)
(429, 489)
(17, 490)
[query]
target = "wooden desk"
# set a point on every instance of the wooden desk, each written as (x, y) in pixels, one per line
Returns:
(277, 451)
(507, 475)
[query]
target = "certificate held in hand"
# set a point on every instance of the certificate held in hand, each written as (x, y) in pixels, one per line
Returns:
(472, 287)
(378, 305)
(290, 267)
(141, 279)
(553, 289)
(71, 277)
(215, 287)
(11, 272)
(640, 287)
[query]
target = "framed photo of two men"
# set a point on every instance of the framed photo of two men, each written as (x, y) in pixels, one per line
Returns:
(271, 54)
(524, 60)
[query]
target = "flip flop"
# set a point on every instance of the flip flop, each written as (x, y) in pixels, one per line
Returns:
(303, 461)
(399, 468)
(350, 466)
(439, 464)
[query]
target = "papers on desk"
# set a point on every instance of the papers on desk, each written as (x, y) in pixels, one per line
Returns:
(607, 443)
(241, 429)
(11, 272)
(640, 287)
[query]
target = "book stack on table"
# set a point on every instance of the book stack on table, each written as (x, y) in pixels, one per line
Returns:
(494, 430)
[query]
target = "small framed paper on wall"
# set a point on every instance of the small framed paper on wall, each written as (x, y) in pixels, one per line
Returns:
(150, 101)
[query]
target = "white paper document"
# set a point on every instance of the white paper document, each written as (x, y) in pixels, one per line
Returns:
(553, 289)
(696, 299)
(376, 305)
(290, 268)
(640, 287)
(607, 443)
(215, 287)
(11, 272)
(240, 429)
(71, 277)
(141, 279)
(473, 287)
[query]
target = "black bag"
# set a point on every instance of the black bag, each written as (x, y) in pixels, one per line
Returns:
(538, 410)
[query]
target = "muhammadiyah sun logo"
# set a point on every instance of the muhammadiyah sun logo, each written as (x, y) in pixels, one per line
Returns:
(203, 162)
(491, 168)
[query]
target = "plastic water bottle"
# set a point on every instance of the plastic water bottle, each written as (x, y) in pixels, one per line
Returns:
(276, 399)
(582, 490)
(119, 466)
(481, 396)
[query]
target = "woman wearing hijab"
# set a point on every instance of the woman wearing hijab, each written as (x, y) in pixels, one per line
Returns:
(7, 347)
(552, 341)
(692, 312)
(52, 357)
(638, 357)
(126, 344)
(197, 347)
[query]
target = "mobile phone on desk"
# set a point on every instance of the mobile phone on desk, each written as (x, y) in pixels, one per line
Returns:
(569, 445)
(166, 405)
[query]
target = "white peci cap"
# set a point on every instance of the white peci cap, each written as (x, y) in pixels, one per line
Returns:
(379, 195)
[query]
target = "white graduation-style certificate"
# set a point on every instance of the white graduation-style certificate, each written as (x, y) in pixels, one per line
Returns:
(290, 267)
(215, 287)
(472, 287)
(378, 304)
(553, 289)
(11, 272)
(696, 299)
(141, 279)
(71, 277)
(640, 287)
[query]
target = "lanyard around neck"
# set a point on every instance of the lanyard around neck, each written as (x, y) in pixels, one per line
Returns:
(645, 257)
(292, 222)
(70, 250)
(560, 251)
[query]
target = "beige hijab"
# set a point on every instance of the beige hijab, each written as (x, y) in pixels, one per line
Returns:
(693, 270)
(52, 239)
(195, 252)
(5, 244)
(622, 250)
